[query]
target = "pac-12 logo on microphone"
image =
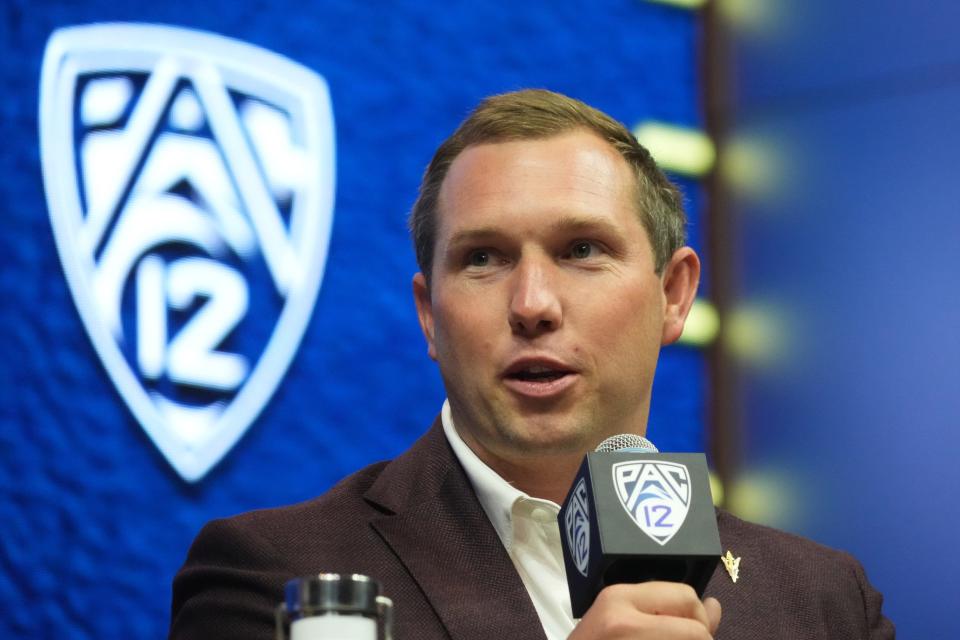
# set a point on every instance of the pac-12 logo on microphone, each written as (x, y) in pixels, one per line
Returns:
(190, 180)
(656, 494)
(577, 526)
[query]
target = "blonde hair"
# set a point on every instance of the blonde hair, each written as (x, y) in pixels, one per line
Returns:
(533, 114)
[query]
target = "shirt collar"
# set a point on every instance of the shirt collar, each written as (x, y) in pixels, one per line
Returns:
(496, 495)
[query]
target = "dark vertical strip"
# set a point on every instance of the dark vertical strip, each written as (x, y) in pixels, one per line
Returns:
(723, 402)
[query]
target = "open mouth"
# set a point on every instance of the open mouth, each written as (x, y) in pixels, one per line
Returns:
(540, 378)
(537, 374)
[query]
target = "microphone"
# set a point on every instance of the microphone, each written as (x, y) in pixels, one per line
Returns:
(633, 515)
(626, 443)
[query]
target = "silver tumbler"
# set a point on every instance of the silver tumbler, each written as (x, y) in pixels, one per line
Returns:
(333, 606)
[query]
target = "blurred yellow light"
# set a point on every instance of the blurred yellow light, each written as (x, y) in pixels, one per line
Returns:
(757, 334)
(702, 326)
(756, 17)
(754, 167)
(685, 4)
(685, 151)
(767, 496)
(716, 488)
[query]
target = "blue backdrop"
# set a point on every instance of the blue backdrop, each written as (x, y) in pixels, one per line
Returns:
(849, 227)
(94, 521)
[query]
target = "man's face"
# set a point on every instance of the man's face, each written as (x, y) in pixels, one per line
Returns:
(544, 311)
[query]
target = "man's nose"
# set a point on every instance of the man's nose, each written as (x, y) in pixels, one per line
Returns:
(535, 306)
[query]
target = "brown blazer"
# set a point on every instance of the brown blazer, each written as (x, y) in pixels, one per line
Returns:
(416, 525)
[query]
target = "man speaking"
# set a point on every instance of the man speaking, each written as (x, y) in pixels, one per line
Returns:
(552, 269)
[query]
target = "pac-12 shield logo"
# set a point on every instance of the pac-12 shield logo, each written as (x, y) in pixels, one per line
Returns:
(577, 526)
(656, 494)
(190, 180)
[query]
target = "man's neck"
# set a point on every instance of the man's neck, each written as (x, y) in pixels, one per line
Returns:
(547, 477)
(538, 474)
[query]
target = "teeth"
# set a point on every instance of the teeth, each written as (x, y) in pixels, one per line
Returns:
(538, 373)
(537, 369)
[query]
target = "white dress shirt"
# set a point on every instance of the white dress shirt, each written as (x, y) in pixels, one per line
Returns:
(529, 531)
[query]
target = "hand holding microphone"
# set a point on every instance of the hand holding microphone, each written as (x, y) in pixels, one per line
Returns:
(649, 610)
(640, 543)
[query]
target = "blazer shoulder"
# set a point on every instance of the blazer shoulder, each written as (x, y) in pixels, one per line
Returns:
(776, 569)
(235, 570)
(342, 507)
(768, 541)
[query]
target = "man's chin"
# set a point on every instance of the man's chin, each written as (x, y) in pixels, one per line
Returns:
(551, 442)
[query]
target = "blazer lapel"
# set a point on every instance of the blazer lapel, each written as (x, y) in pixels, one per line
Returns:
(441, 534)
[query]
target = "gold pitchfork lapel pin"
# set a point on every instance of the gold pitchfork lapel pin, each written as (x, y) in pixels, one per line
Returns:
(732, 565)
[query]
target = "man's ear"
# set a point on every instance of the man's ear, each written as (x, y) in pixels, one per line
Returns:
(680, 278)
(421, 296)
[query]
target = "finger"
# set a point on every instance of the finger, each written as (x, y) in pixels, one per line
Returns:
(626, 623)
(665, 599)
(713, 609)
(662, 626)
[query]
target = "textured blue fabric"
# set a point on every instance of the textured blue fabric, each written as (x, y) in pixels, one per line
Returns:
(94, 521)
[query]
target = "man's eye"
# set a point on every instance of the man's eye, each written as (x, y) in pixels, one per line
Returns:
(582, 249)
(478, 258)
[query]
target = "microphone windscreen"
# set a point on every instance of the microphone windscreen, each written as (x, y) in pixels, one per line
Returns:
(627, 443)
